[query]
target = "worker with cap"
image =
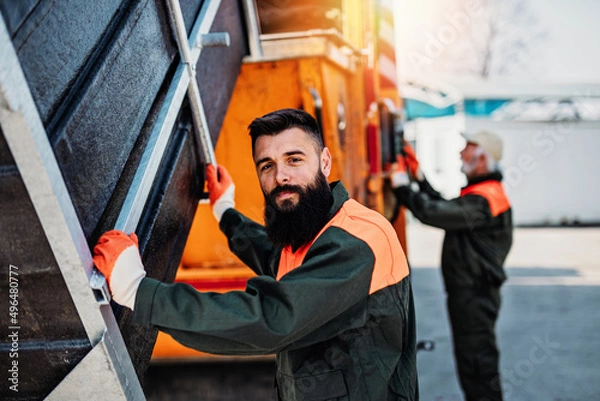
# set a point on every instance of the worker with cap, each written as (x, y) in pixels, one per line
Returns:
(478, 236)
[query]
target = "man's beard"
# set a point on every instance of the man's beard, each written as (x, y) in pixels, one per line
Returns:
(297, 225)
(467, 168)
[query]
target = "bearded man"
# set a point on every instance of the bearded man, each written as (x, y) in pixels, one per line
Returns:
(332, 296)
(479, 229)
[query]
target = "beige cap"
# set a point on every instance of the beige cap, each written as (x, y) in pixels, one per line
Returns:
(488, 141)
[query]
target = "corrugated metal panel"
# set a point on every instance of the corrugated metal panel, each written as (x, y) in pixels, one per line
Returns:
(98, 74)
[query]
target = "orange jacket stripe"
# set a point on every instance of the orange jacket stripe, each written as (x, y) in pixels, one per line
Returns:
(391, 265)
(493, 191)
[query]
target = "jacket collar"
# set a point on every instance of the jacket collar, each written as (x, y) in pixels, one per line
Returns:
(340, 195)
(495, 176)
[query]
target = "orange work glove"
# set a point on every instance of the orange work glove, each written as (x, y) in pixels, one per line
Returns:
(221, 190)
(399, 176)
(117, 257)
(410, 157)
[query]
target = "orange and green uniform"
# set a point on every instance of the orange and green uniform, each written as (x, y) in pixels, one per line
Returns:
(478, 237)
(338, 312)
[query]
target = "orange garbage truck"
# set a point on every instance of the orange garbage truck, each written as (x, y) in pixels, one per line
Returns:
(334, 59)
(108, 115)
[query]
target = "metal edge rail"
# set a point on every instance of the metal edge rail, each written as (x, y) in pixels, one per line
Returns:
(29, 145)
(148, 167)
(184, 80)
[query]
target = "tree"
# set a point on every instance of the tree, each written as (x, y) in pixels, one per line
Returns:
(504, 40)
(479, 38)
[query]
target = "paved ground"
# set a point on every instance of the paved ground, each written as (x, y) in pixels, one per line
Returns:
(548, 327)
(549, 322)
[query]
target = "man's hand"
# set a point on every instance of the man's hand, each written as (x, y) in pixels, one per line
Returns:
(117, 257)
(221, 190)
(410, 158)
(399, 177)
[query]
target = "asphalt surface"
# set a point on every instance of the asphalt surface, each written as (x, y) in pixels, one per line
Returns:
(547, 330)
(548, 325)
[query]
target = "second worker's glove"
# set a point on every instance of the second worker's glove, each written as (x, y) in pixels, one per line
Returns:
(399, 177)
(117, 257)
(221, 190)
(410, 158)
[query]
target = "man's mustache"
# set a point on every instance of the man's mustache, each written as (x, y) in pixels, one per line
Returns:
(285, 188)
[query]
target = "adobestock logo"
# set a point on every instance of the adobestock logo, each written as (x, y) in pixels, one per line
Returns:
(524, 368)
(545, 142)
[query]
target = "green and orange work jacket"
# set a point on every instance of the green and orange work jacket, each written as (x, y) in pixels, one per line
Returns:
(337, 312)
(478, 225)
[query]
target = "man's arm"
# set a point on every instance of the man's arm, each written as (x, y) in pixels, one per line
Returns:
(407, 168)
(425, 187)
(467, 212)
(249, 241)
(269, 315)
(427, 205)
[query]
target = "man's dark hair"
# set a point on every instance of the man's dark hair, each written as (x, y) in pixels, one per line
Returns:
(277, 121)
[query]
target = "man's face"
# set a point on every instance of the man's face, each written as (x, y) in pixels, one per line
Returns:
(470, 157)
(287, 160)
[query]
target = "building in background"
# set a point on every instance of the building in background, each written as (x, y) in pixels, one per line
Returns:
(527, 69)
(551, 136)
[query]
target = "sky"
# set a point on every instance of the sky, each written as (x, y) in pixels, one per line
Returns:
(563, 41)
(576, 37)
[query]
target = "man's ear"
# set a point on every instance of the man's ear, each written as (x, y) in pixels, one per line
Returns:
(326, 162)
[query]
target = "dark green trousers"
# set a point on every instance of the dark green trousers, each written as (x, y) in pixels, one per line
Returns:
(473, 313)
